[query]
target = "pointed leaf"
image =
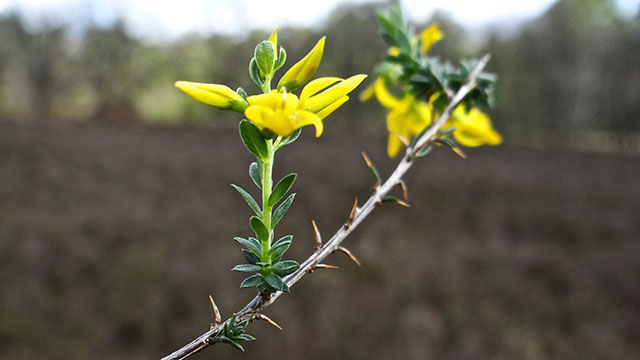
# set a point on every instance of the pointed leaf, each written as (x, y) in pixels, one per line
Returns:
(235, 345)
(281, 59)
(276, 282)
(248, 268)
(291, 138)
(251, 281)
(265, 58)
(254, 72)
(281, 188)
(259, 228)
(278, 249)
(252, 139)
(281, 210)
(245, 337)
(251, 244)
(284, 268)
(254, 173)
(249, 199)
(250, 257)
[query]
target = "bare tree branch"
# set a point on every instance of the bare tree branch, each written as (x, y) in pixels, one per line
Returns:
(252, 310)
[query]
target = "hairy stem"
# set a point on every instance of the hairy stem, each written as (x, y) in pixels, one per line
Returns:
(267, 184)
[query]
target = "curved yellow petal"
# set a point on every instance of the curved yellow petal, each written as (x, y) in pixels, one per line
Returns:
(304, 69)
(303, 118)
(384, 96)
(394, 145)
(320, 101)
(316, 85)
(332, 107)
(430, 36)
(368, 93)
(257, 114)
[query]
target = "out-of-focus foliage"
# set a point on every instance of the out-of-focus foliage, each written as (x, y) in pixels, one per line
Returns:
(569, 70)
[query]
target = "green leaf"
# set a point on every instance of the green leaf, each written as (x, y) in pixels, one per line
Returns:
(284, 268)
(248, 268)
(254, 173)
(285, 238)
(245, 337)
(446, 141)
(281, 59)
(253, 140)
(278, 249)
(235, 345)
(251, 281)
(251, 244)
(424, 152)
(250, 257)
(259, 228)
(264, 55)
(281, 189)
(276, 282)
(249, 199)
(281, 210)
(289, 139)
(254, 72)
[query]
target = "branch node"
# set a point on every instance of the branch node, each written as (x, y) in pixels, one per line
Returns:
(348, 253)
(215, 311)
(317, 234)
(267, 319)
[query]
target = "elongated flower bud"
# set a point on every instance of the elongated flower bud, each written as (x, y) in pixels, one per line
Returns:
(218, 96)
(304, 69)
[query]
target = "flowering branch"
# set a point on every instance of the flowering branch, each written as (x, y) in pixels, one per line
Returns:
(252, 311)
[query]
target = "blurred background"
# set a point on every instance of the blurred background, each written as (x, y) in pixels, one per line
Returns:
(117, 218)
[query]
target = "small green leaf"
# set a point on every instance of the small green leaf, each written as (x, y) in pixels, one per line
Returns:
(254, 173)
(289, 139)
(424, 152)
(281, 189)
(276, 282)
(254, 72)
(250, 257)
(245, 337)
(252, 139)
(281, 210)
(446, 141)
(248, 268)
(235, 345)
(281, 59)
(284, 268)
(251, 244)
(264, 55)
(285, 238)
(447, 131)
(252, 281)
(259, 228)
(240, 91)
(278, 249)
(249, 199)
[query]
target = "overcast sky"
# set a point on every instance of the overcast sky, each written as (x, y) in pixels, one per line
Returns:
(157, 19)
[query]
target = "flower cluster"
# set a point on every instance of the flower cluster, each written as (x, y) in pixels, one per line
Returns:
(409, 114)
(279, 111)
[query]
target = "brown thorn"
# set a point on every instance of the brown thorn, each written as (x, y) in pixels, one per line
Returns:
(354, 210)
(349, 254)
(323, 266)
(267, 319)
(215, 310)
(317, 233)
(459, 151)
(405, 192)
(400, 202)
(366, 159)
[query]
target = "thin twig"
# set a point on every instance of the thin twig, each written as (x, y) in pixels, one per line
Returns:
(253, 308)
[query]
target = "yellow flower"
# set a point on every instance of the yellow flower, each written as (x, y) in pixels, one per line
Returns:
(429, 36)
(218, 96)
(282, 113)
(407, 118)
(473, 128)
(304, 69)
(273, 39)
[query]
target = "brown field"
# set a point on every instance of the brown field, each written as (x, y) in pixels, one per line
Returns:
(112, 239)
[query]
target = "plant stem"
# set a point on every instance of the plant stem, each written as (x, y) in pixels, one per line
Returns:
(267, 183)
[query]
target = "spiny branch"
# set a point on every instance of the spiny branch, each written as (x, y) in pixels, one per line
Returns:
(252, 310)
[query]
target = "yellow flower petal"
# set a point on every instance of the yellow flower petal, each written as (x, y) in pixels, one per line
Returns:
(316, 85)
(304, 69)
(394, 145)
(303, 118)
(273, 39)
(219, 96)
(384, 96)
(320, 101)
(332, 107)
(430, 36)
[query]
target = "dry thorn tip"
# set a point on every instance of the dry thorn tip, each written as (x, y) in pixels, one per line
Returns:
(349, 254)
(405, 192)
(215, 311)
(354, 210)
(459, 151)
(317, 234)
(323, 266)
(267, 319)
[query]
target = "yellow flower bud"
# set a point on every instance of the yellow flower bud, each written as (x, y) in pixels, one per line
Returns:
(218, 96)
(273, 39)
(304, 69)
